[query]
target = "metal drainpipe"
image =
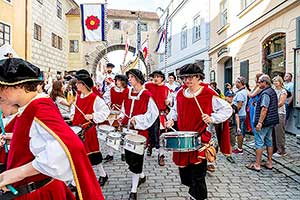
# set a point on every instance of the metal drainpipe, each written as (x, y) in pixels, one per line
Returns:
(26, 24)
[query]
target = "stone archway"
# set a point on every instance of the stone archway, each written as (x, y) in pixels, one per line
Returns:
(100, 52)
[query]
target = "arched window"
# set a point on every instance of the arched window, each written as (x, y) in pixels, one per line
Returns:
(274, 55)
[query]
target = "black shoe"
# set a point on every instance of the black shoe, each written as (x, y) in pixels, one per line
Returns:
(132, 196)
(72, 188)
(230, 159)
(123, 157)
(108, 158)
(149, 151)
(102, 180)
(141, 181)
(161, 160)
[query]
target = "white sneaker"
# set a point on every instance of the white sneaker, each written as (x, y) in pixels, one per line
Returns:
(278, 155)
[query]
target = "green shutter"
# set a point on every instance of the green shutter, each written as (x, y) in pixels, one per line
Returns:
(244, 69)
(297, 32)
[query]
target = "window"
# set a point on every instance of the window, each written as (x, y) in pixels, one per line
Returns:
(59, 39)
(4, 34)
(197, 29)
(224, 13)
(40, 1)
(274, 48)
(169, 47)
(144, 26)
(37, 32)
(246, 3)
(183, 37)
(161, 58)
(117, 25)
(54, 40)
(74, 46)
(298, 32)
(59, 9)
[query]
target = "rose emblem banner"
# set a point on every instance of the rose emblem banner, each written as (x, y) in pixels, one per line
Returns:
(93, 22)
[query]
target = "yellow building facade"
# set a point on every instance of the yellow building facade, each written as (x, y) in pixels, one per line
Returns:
(13, 23)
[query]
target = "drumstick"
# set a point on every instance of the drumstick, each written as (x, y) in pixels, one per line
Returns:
(201, 111)
(81, 112)
(172, 129)
(120, 110)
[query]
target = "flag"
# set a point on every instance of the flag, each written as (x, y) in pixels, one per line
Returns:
(126, 50)
(93, 22)
(160, 49)
(145, 49)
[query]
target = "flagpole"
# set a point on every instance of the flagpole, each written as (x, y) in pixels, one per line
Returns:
(105, 31)
(138, 40)
(166, 42)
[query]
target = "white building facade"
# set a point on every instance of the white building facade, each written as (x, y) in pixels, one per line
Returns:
(188, 35)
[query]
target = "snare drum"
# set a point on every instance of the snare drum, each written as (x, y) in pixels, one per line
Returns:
(129, 131)
(113, 140)
(135, 143)
(181, 141)
(76, 129)
(103, 130)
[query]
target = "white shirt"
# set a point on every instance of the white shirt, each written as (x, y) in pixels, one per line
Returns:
(221, 109)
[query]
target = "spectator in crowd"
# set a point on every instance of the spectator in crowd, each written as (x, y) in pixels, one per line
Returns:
(234, 122)
(228, 87)
(172, 84)
(289, 86)
(57, 95)
(213, 85)
(279, 139)
(266, 117)
(240, 100)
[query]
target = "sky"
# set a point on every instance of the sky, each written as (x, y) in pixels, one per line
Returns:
(142, 5)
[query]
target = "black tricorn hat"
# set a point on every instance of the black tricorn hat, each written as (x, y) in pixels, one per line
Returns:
(160, 73)
(122, 78)
(110, 65)
(137, 73)
(84, 76)
(192, 69)
(14, 71)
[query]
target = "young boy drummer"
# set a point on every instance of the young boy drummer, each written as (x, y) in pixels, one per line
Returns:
(90, 110)
(141, 112)
(114, 98)
(44, 151)
(211, 109)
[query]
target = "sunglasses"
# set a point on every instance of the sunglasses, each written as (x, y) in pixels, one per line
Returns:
(184, 77)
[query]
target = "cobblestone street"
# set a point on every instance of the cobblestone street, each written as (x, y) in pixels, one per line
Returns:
(230, 181)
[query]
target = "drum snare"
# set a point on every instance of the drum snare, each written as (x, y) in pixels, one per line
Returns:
(78, 131)
(181, 141)
(135, 143)
(103, 130)
(113, 140)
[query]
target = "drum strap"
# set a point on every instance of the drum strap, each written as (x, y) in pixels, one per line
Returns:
(133, 98)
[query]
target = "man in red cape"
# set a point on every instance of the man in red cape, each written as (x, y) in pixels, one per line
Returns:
(44, 151)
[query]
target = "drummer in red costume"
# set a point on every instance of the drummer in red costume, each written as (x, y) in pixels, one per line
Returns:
(114, 98)
(90, 110)
(161, 95)
(141, 112)
(44, 151)
(193, 165)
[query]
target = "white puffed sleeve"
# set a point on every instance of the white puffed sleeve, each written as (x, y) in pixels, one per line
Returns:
(222, 110)
(101, 110)
(146, 120)
(50, 158)
(106, 97)
(173, 112)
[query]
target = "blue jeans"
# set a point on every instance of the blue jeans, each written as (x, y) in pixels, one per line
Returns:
(242, 125)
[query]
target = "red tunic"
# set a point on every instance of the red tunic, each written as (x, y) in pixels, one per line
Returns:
(140, 107)
(46, 114)
(86, 105)
(193, 122)
(159, 94)
(117, 98)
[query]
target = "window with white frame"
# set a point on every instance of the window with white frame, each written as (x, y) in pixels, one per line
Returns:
(74, 46)
(5, 32)
(197, 29)
(246, 3)
(59, 9)
(184, 37)
(224, 12)
(37, 33)
(169, 46)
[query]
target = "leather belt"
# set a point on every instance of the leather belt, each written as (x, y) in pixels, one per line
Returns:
(25, 189)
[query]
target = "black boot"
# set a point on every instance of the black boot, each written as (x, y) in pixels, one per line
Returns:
(132, 196)
(123, 157)
(149, 151)
(102, 180)
(108, 158)
(141, 181)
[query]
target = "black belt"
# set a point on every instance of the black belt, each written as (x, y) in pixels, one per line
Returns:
(25, 189)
